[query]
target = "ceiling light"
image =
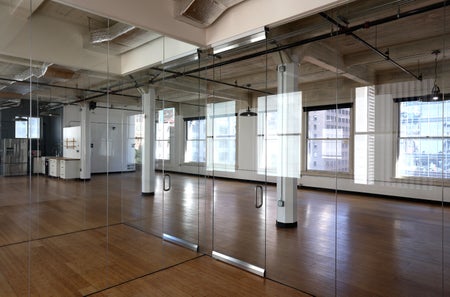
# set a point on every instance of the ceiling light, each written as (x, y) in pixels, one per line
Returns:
(248, 113)
(435, 91)
(240, 41)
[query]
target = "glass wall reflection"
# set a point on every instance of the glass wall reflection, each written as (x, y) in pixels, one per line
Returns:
(335, 185)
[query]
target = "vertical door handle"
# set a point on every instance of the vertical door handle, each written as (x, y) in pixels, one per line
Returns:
(169, 184)
(259, 202)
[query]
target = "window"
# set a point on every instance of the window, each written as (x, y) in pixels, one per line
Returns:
(166, 120)
(268, 143)
(27, 127)
(364, 136)
(328, 138)
(279, 134)
(221, 134)
(195, 149)
(424, 139)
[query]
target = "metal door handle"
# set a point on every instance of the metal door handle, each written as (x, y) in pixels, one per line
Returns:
(258, 205)
(169, 183)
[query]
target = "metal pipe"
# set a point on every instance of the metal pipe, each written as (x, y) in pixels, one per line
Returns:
(50, 85)
(386, 57)
(377, 51)
(179, 74)
(347, 30)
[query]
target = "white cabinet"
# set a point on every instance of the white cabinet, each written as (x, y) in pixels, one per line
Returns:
(43, 165)
(69, 168)
(53, 167)
(66, 168)
(37, 166)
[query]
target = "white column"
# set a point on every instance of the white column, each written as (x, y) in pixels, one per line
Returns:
(286, 186)
(85, 149)
(148, 147)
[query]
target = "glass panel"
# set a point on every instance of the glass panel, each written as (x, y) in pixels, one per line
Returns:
(73, 220)
(183, 172)
(371, 185)
(397, 153)
(233, 118)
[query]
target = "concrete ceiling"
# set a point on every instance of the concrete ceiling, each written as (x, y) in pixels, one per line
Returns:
(237, 74)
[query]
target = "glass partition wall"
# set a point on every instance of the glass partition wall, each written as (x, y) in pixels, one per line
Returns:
(235, 149)
(312, 153)
(183, 167)
(73, 214)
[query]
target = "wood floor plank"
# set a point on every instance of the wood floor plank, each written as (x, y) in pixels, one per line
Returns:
(83, 262)
(53, 237)
(201, 277)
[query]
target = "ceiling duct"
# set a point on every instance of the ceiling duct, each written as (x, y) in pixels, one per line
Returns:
(8, 103)
(24, 75)
(32, 71)
(202, 13)
(110, 33)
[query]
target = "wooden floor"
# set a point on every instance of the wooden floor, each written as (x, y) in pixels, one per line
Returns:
(102, 238)
(202, 276)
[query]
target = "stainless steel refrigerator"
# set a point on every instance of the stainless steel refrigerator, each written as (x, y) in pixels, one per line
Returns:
(15, 158)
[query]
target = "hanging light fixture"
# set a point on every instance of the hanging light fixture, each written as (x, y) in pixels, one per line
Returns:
(435, 91)
(248, 112)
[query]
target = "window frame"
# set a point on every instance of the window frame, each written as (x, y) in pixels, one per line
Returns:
(422, 179)
(334, 173)
(32, 129)
(212, 138)
(165, 138)
(186, 139)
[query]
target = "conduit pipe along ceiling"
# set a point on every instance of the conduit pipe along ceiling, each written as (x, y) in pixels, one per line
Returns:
(238, 55)
(347, 31)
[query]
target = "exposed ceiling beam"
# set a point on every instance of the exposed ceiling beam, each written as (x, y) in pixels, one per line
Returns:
(322, 55)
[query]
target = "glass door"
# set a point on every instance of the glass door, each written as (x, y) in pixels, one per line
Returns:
(181, 153)
(235, 150)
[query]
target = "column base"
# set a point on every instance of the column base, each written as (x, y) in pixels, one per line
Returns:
(286, 225)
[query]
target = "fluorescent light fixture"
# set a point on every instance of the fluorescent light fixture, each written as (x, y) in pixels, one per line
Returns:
(239, 40)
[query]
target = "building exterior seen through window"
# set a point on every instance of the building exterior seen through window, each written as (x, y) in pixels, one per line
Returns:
(328, 139)
(27, 127)
(195, 146)
(221, 135)
(424, 139)
(165, 121)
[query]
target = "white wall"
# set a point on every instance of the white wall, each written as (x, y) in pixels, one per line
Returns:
(71, 142)
(112, 138)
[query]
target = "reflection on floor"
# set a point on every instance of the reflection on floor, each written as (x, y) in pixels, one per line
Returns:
(84, 262)
(202, 276)
(74, 238)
